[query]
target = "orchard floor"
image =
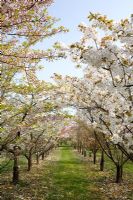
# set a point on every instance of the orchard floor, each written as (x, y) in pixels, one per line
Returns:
(66, 175)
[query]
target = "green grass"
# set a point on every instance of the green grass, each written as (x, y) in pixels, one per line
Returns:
(70, 179)
(6, 165)
(109, 165)
(128, 167)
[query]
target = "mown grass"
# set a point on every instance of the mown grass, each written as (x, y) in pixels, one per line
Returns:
(70, 179)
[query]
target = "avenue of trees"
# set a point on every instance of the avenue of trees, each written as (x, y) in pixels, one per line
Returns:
(103, 98)
(32, 111)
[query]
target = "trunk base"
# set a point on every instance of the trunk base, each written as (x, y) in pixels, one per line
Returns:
(15, 179)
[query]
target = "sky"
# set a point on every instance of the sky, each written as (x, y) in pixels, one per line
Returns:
(71, 13)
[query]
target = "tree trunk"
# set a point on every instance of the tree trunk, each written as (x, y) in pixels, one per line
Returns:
(84, 153)
(119, 173)
(43, 155)
(102, 161)
(80, 149)
(37, 158)
(78, 146)
(15, 178)
(29, 163)
(94, 157)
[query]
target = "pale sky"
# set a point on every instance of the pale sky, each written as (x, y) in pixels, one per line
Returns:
(71, 13)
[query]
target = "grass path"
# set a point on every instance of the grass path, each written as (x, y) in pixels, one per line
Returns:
(71, 179)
